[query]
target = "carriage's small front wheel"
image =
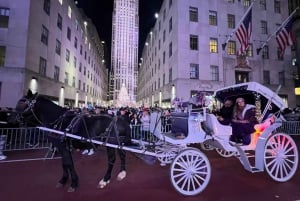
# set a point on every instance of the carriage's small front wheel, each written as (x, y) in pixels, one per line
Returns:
(224, 153)
(281, 157)
(166, 153)
(190, 172)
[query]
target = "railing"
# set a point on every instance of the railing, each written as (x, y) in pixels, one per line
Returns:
(14, 139)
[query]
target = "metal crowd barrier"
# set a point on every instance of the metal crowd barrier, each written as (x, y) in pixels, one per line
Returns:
(289, 127)
(18, 139)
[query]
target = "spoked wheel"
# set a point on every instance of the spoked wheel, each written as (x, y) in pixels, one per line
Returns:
(281, 157)
(165, 154)
(225, 154)
(206, 147)
(190, 172)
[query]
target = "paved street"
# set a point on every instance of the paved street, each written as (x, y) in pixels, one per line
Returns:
(36, 180)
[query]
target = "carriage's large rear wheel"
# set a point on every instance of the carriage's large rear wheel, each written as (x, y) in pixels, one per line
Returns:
(281, 157)
(190, 172)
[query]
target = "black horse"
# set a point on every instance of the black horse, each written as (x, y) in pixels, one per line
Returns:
(42, 111)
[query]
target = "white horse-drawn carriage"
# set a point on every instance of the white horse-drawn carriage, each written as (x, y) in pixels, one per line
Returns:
(190, 169)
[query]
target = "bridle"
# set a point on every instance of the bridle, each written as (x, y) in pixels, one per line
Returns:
(25, 109)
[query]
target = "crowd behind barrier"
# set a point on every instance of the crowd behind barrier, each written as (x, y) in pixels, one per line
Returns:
(31, 138)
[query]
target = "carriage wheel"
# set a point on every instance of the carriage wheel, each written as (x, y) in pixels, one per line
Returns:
(206, 147)
(165, 154)
(190, 172)
(281, 157)
(225, 154)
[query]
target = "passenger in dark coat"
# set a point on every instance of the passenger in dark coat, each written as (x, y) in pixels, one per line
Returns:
(225, 114)
(243, 122)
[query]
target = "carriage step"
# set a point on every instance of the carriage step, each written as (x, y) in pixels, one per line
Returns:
(254, 169)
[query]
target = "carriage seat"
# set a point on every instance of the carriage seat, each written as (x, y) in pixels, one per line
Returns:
(179, 124)
(214, 127)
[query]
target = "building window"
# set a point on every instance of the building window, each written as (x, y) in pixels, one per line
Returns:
(164, 14)
(230, 1)
(194, 71)
(264, 27)
(214, 73)
(247, 3)
(250, 50)
(170, 49)
(56, 73)
(231, 48)
(79, 84)
(42, 66)
(69, 33)
(170, 75)
(277, 6)
(170, 3)
(193, 14)
(164, 57)
(58, 47)
(67, 55)
(266, 77)
(73, 81)
(59, 21)
(80, 50)
(281, 78)
(75, 62)
(75, 42)
(265, 52)
(164, 35)
(213, 45)
(47, 6)
(2, 55)
(231, 21)
(84, 70)
(262, 4)
(241, 77)
(170, 24)
(193, 42)
(44, 35)
(66, 78)
(4, 17)
(279, 54)
(164, 79)
(80, 67)
(213, 18)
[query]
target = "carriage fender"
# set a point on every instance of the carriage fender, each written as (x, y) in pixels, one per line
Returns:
(260, 146)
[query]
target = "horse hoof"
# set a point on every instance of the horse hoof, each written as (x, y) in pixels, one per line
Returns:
(71, 189)
(102, 183)
(121, 175)
(59, 185)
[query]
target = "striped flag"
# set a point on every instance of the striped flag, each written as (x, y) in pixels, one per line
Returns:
(243, 33)
(284, 37)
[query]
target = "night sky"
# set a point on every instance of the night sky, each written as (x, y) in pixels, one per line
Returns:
(100, 12)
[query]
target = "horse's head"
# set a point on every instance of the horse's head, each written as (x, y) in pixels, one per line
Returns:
(25, 106)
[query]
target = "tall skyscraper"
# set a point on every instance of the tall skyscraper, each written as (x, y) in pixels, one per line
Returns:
(124, 57)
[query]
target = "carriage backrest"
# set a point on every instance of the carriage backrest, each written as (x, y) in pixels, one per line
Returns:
(155, 123)
(179, 122)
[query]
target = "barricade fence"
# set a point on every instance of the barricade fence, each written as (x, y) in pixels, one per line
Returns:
(14, 139)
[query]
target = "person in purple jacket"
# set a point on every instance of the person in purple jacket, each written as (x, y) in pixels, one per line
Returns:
(243, 121)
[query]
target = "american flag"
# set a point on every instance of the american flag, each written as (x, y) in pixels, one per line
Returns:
(284, 37)
(243, 33)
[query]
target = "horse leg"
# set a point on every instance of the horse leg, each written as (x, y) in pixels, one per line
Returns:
(111, 157)
(122, 173)
(68, 161)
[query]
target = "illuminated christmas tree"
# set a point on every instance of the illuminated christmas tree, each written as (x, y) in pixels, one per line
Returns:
(123, 98)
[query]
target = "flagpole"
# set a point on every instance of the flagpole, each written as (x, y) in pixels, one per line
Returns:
(282, 25)
(236, 27)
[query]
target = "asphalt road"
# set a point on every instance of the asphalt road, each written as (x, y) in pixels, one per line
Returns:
(35, 181)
